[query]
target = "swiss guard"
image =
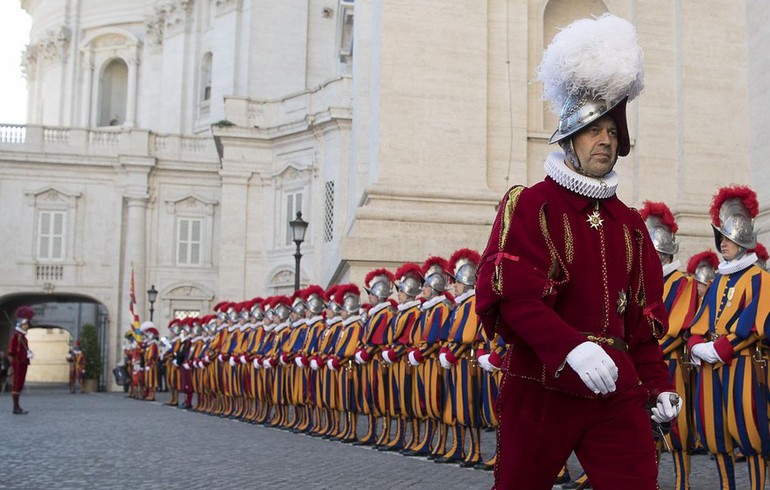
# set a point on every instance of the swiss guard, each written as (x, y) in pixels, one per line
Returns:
(726, 341)
(20, 355)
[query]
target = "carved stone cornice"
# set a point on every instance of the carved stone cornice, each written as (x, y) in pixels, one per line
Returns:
(54, 44)
(224, 6)
(29, 62)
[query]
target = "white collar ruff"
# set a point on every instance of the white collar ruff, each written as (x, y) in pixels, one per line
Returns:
(378, 307)
(350, 320)
(433, 302)
(733, 266)
(299, 323)
(671, 267)
(332, 321)
(315, 319)
(464, 296)
(591, 187)
(20, 330)
(408, 304)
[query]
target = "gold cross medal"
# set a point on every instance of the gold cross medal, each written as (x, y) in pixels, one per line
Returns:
(622, 302)
(595, 220)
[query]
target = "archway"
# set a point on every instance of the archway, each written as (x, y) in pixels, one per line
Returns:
(58, 316)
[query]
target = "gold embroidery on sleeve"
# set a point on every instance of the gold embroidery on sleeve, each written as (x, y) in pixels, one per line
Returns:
(569, 245)
(629, 249)
(510, 208)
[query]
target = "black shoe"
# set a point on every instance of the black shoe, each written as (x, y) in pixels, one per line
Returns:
(19, 411)
(484, 467)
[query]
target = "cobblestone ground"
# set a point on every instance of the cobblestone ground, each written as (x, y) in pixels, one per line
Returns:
(106, 441)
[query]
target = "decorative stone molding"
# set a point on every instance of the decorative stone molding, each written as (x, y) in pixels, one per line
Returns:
(175, 14)
(50, 197)
(154, 28)
(29, 62)
(224, 6)
(54, 44)
(191, 204)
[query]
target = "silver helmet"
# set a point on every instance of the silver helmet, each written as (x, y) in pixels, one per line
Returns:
(735, 208)
(298, 305)
(348, 296)
(232, 312)
(661, 226)
(463, 264)
(704, 273)
(409, 279)
(256, 309)
(282, 308)
(379, 283)
(435, 272)
(245, 311)
(581, 109)
(702, 266)
(314, 299)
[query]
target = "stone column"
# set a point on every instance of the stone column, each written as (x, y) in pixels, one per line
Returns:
(86, 95)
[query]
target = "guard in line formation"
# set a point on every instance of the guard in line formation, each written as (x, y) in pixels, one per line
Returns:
(142, 357)
(78, 362)
(419, 370)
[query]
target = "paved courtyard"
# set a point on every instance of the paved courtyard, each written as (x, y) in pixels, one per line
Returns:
(105, 441)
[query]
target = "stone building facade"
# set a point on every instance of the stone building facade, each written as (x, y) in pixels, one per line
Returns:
(177, 138)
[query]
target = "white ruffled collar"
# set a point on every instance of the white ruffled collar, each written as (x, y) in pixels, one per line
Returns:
(733, 266)
(378, 307)
(332, 321)
(408, 304)
(350, 320)
(281, 326)
(315, 319)
(20, 330)
(591, 187)
(670, 267)
(464, 296)
(433, 302)
(299, 322)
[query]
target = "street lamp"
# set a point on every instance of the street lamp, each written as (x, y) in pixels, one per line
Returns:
(152, 295)
(298, 228)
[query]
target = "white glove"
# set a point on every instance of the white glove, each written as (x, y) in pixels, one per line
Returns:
(231, 362)
(412, 359)
(266, 364)
(597, 369)
(242, 359)
(668, 407)
(206, 358)
(359, 359)
(186, 366)
(30, 354)
(314, 365)
(280, 360)
(220, 358)
(485, 364)
(298, 362)
(256, 363)
(704, 351)
(385, 358)
(330, 364)
(174, 362)
(147, 368)
(444, 363)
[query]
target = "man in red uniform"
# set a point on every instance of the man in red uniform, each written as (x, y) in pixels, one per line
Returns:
(19, 353)
(570, 280)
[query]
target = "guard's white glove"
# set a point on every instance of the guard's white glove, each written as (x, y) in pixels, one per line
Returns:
(597, 369)
(220, 358)
(186, 366)
(485, 364)
(231, 362)
(175, 362)
(330, 364)
(280, 360)
(385, 357)
(30, 354)
(298, 362)
(412, 360)
(266, 364)
(668, 407)
(243, 359)
(256, 363)
(314, 365)
(704, 352)
(359, 359)
(444, 363)
(206, 358)
(147, 368)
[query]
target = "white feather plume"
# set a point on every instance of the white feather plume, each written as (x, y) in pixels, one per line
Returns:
(601, 56)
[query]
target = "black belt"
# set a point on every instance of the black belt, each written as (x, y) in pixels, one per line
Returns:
(611, 342)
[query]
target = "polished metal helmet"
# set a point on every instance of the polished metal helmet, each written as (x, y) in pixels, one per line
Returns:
(379, 283)
(298, 305)
(348, 296)
(409, 279)
(581, 109)
(232, 312)
(434, 270)
(221, 310)
(314, 298)
(282, 308)
(732, 215)
(244, 311)
(661, 226)
(256, 309)
(702, 266)
(463, 264)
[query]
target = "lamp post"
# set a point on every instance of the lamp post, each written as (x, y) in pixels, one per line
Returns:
(298, 228)
(152, 295)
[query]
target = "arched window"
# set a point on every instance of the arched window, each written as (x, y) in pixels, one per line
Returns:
(113, 93)
(208, 58)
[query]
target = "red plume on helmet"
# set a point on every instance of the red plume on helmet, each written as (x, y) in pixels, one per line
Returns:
(662, 211)
(761, 252)
(314, 289)
(25, 312)
(707, 256)
(255, 301)
(298, 294)
(747, 196)
(464, 253)
(281, 300)
(409, 267)
(431, 261)
(342, 290)
(221, 306)
(378, 272)
(329, 294)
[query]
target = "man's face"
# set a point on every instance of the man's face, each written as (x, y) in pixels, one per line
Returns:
(728, 248)
(596, 147)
